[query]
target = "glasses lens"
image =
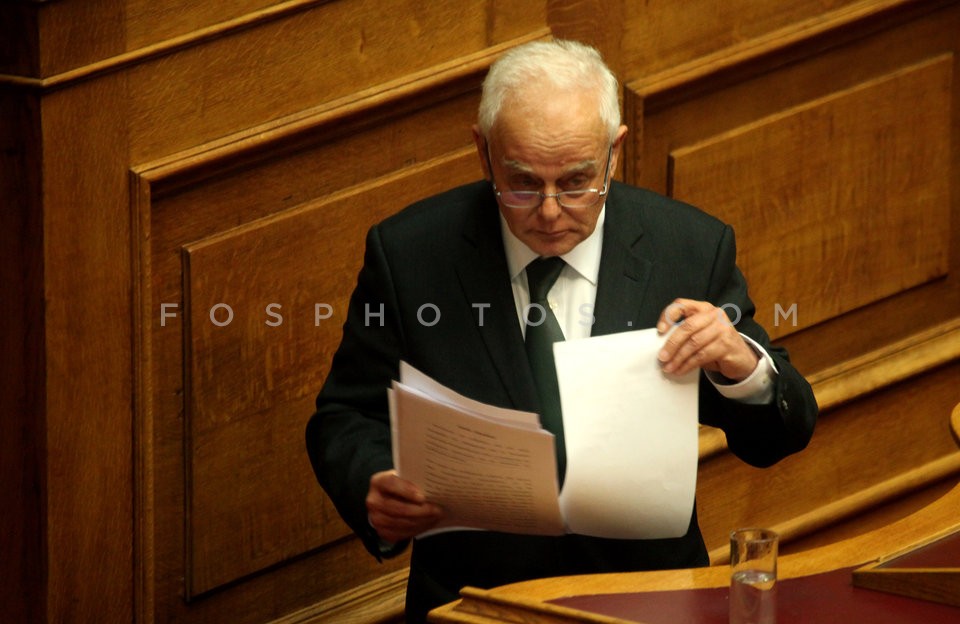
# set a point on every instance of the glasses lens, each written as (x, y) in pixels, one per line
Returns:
(521, 199)
(567, 199)
(579, 199)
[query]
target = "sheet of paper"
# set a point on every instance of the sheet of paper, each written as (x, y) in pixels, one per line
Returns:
(487, 473)
(413, 378)
(631, 438)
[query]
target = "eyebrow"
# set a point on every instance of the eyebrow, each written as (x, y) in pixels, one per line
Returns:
(518, 167)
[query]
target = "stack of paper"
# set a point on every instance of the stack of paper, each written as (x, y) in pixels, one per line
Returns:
(631, 443)
(489, 468)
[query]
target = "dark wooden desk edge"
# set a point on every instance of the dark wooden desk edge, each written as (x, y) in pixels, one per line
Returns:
(504, 604)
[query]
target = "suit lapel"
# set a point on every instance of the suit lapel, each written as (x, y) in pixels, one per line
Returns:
(624, 273)
(484, 278)
(621, 304)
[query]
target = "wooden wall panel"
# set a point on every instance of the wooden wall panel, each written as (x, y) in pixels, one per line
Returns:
(329, 56)
(275, 215)
(149, 457)
(88, 400)
(77, 34)
(749, 93)
(148, 22)
(838, 202)
(855, 461)
(252, 375)
(831, 148)
(665, 34)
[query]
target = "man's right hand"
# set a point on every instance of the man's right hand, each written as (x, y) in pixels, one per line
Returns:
(398, 509)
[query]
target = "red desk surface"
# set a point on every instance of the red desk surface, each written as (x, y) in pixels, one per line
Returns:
(820, 598)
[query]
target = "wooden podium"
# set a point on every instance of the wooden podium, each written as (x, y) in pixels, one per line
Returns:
(913, 562)
(826, 573)
(926, 571)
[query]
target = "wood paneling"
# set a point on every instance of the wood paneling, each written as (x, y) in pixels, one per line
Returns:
(276, 215)
(252, 366)
(88, 285)
(749, 99)
(191, 154)
(838, 202)
(854, 462)
(286, 67)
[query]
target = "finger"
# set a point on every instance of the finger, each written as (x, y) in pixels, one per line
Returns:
(672, 315)
(399, 508)
(395, 521)
(393, 499)
(685, 317)
(390, 485)
(691, 345)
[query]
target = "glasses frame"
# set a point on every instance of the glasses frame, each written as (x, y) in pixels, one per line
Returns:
(558, 195)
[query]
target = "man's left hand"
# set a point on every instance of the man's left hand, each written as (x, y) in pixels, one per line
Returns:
(704, 338)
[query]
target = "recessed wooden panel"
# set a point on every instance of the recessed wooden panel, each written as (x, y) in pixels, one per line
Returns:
(326, 55)
(750, 93)
(152, 21)
(868, 443)
(255, 367)
(839, 202)
(236, 523)
(666, 33)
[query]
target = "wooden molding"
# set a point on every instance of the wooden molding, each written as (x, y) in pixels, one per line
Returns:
(655, 88)
(154, 182)
(938, 585)
(374, 105)
(871, 371)
(376, 602)
(175, 44)
(859, 502)
(955, 424)
(488, 605)
(887, 365)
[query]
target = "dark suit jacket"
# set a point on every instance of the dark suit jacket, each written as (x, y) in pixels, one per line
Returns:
(447, 251)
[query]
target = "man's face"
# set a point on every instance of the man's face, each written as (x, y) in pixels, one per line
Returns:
(549, 142)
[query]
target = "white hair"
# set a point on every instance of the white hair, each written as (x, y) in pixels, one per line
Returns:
(566, 65)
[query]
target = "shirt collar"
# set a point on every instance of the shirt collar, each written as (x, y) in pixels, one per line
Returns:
(584, 258)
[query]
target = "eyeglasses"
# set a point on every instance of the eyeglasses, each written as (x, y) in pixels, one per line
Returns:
(578, 199)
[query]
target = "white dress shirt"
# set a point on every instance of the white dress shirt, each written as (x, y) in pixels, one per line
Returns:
(572, 300)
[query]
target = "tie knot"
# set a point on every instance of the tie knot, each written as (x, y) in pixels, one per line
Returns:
(541, 274)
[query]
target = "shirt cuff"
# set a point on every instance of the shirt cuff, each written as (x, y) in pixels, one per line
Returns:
(758, 388)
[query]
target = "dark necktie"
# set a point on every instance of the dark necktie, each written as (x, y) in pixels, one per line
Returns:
(540, 336)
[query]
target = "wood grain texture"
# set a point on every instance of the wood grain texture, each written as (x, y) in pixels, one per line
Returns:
(854, 463)
(838, 202)
(89, 379)
(754, 88)
(524, 602)
(938, 585)
(268, 210)
(255, 349)
(284, 67)
(154, 152)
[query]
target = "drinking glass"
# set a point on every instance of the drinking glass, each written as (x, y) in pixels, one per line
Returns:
(753, 576)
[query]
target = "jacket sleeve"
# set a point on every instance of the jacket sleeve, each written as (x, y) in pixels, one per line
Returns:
(348, 436)
(760, 435)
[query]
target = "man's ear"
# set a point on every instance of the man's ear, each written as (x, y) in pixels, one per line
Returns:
(481, 144)
(618, 148)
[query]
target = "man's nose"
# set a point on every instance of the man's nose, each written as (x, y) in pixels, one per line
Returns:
(550, 208)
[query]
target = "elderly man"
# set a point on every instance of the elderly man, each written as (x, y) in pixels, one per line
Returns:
(548, 138)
